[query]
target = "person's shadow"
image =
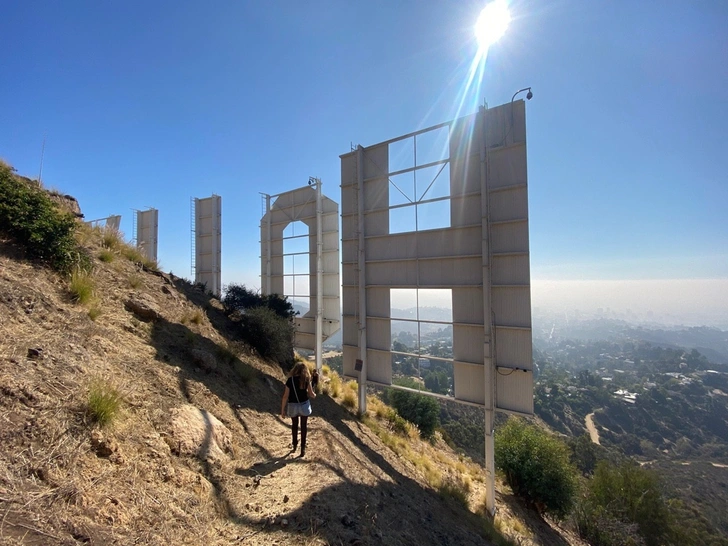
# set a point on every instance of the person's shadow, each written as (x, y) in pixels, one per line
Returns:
(269, 466)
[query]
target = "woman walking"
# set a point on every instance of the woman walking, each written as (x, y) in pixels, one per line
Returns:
(296, 402)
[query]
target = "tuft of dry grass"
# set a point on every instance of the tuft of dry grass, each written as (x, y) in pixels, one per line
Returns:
(103, 402)
(106, 256)
(349, 399)
(245, 371)
(225, 354)
(110, 239)
(334, 387)
(194, 317)
(81, 287)
(94, 312)
(135, 280)
(133, 254)
(456, 489)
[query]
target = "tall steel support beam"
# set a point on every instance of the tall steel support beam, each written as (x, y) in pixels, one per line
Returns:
(362, 322)
(489, 331)
(319, 276)
(266, 281)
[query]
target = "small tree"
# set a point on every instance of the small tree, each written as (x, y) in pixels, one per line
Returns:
(270, 334)
(238, 298)
(423, 411)
(536, 466)
(629, 494)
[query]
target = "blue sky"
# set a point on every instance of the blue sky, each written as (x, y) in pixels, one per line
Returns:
(152, 103)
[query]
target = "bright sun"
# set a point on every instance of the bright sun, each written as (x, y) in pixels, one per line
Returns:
(492, 23)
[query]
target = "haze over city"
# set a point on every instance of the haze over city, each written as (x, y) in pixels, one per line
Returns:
(150, 105)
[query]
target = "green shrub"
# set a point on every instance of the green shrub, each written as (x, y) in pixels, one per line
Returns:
(536, 466)
(399, 425)
(104, 402)
(270, 334)
(621, 498)
(29, 215)
(81, 286)
(423, 411)
(595, 524)
(237, 298)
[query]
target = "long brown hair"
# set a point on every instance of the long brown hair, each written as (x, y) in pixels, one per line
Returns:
(300, 370)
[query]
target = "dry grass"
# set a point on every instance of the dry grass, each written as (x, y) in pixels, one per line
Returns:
(103, 402)
(106, 256)
(334, 386)
(81, 287)
(94, 312)
(194, 316)
(136, 256)
(456, 489)
(110, 239)
(245, 371)
(349, 399)
(135, 280)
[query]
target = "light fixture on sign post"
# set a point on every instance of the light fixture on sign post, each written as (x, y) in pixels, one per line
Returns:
(529, 95)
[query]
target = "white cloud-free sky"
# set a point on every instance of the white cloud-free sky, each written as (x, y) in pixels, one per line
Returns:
(150, 104)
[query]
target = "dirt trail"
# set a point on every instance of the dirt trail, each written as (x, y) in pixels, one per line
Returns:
(593, 432)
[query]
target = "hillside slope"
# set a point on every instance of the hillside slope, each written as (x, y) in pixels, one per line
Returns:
(147, 478)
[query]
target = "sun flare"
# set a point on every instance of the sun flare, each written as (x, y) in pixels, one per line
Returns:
(492, 23)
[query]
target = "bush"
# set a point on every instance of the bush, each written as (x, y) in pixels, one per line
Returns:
(624, 497)
(270, 334)
(399, 425)
(423, 411)
(596, 525)
(104, 402)
(536, 466)
(239, 299)
(29, 215)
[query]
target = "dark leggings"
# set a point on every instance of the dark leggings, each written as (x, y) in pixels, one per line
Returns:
(304, 431)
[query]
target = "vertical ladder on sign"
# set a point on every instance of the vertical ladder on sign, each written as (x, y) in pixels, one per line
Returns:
(134, 233)
(193, 269)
